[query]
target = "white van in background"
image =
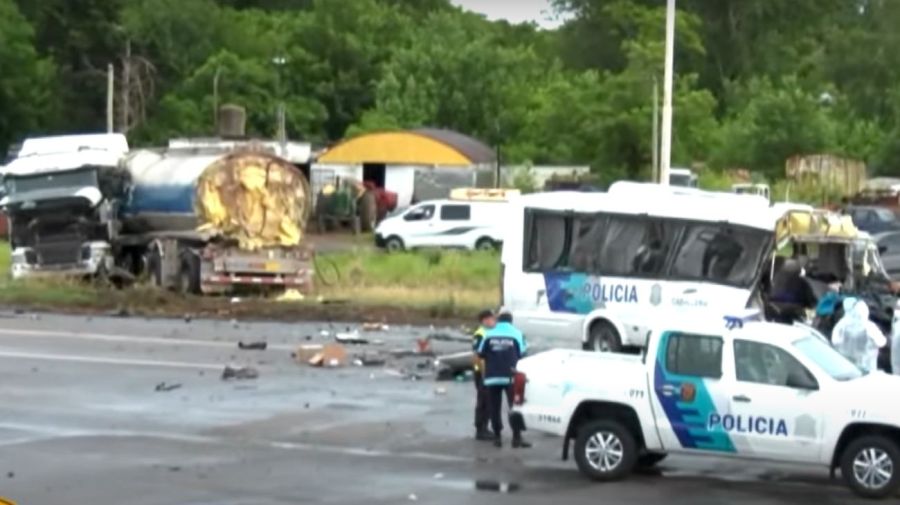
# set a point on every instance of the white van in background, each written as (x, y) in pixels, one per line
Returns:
(471, 219)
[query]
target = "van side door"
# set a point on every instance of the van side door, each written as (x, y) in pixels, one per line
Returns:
(418, 225)
(690, 390)
(454, 225)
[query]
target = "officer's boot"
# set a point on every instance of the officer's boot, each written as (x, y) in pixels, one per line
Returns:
(518, 442)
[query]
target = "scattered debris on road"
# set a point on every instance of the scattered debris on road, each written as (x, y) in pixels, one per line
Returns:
(164, 387)
(440, 391)
(330, 355)
(451, 366)
(413, 497)
(370, 359)
(375, 327)
(119, 312)
(446, 337)
(291, 295)
(243, 373)
(350, 338)
(253, 346)
(496, 486)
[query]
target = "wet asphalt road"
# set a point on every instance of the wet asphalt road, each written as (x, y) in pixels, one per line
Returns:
(81, 422)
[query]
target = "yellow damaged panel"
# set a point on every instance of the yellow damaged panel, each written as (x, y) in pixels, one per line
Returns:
(256, 199)
(820, 223)
(394, 148)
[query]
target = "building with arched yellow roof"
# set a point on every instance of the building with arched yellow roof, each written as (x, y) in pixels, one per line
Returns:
(418, 164)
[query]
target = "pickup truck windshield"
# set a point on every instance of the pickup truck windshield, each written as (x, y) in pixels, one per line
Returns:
(827, 359)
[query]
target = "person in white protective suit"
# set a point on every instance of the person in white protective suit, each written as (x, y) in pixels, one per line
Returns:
(857, 338)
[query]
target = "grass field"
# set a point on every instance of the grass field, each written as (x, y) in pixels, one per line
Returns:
(439, 284)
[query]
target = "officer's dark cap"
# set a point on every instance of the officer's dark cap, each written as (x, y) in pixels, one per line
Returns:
(484, 314)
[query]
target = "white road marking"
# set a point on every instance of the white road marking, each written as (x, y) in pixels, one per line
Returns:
(108, 361)
(9, 333)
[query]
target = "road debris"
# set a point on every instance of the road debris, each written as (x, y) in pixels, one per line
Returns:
(370, 359)
(352, 338)
(440, 391)
(119, 312)
(496, 486)
(243, 373)
(413, 497)
(446, 337)
(188, 318)
(325, 333)
(253, 346)
(450, 366)
(291, 295)
(164, 387)
(330, 355)
(375, 327)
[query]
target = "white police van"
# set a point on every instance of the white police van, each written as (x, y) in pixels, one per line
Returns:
(472, 219)
(763, 391)
(599, 266)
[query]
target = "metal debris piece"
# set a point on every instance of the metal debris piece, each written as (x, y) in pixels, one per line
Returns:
(243, 373)
(253, 346)
(163, 387)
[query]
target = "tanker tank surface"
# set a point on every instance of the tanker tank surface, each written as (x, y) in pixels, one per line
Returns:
(251, 197)
(208, 219)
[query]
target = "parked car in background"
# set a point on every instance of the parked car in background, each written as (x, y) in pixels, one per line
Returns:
(470, 219)
(873, 219)
(889, 247)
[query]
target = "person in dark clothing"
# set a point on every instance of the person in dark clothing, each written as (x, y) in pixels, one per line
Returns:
(501, 348)
(487, 321)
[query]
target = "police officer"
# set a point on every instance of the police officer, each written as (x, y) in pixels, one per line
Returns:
(486, 320)
(501, 348)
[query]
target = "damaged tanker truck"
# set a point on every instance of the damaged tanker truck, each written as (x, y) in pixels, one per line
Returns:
(203, 218)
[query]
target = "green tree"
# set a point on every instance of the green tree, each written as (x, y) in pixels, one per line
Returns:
(26, 82)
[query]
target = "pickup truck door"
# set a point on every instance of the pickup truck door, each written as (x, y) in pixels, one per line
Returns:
(777, 409)
(689, 391)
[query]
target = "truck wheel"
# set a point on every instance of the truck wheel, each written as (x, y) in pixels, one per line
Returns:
(651, 459)
(605, 451)
(604, 338)
(394, 244)
(189, 276)
(871, 466)
(485, 244)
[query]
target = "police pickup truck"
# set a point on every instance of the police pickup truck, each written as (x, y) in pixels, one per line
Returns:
(755, 391)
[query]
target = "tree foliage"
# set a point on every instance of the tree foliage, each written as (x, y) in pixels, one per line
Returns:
(757, 81)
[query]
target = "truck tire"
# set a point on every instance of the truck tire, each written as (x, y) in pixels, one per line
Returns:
(605, 451)
(368, 211)
(604, 338)
(871, 466)
(189, 275)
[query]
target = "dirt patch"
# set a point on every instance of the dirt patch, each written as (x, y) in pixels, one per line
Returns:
(153, 303)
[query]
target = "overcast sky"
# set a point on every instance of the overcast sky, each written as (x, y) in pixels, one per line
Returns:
(515, 11)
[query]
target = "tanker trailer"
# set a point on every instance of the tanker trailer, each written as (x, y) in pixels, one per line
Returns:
(208, 221)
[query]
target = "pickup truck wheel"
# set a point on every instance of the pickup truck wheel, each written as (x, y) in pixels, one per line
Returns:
(871, 466)
(605, 451)
(604, 338)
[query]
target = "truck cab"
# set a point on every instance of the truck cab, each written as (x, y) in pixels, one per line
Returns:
(755, 391)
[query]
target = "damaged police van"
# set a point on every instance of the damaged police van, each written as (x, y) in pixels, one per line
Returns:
(759, 391)
(602, 265)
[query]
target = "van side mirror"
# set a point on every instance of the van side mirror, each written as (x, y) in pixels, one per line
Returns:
(804, 380)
